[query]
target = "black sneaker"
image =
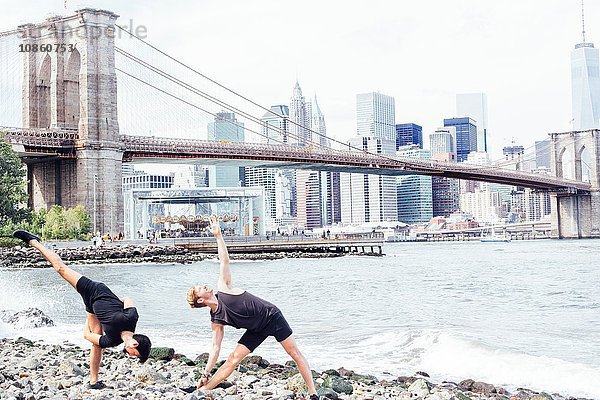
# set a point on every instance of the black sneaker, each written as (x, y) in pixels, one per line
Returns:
(314, 397)
(98, 385)
(25, 236)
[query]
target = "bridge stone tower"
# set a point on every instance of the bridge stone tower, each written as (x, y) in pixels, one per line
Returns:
(74, 87)
(576, 155)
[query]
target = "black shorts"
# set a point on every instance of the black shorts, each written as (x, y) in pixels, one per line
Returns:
(91, 290)
(277, 327)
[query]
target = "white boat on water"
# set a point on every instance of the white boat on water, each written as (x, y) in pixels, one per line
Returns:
(492, 237)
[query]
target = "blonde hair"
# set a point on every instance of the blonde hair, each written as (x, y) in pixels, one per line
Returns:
(192, 299)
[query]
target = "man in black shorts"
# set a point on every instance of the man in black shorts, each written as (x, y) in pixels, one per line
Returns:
(240, 309)
(105, 313)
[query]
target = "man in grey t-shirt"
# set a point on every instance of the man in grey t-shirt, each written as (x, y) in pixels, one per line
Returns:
(242, 310)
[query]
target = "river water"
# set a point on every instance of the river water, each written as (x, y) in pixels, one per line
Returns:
(513, 314)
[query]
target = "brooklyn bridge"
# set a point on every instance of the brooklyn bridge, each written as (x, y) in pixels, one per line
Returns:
(74, 137)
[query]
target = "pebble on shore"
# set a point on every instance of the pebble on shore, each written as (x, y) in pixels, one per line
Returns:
(35, 370)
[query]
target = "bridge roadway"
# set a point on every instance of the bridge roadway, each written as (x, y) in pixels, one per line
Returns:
(42, 142)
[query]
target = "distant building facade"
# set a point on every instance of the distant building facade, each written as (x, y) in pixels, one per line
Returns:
(375, 118)
(474, 105)
(226, 128)
(276, 125)
(444, 191)
(585, 86)
(308, 183)
(442, 144)
(371, 198)
(466, 136)
(415, 202)
(407, 134)
(368, 198)
(542, 153)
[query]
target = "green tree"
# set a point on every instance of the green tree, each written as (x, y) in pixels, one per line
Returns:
(69, 224)
(77, 222)
(13, 194)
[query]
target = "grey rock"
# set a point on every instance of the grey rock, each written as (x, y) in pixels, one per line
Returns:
(162, 353)
(31, 364)
(69, 368)
(250, 379)
(148, 375)
(483, 388)
(327, 392)
(419, 388)
(340, 385)
(30, 318)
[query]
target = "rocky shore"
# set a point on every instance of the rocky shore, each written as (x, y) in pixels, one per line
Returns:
(26, 257)
(34, 370)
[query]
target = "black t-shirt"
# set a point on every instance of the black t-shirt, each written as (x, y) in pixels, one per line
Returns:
(243, 311)
(108, 308)
(115, 323)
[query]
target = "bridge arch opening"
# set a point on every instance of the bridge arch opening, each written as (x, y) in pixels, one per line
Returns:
(566, 164)
(71, 86)
(583, 164)
(43, 94)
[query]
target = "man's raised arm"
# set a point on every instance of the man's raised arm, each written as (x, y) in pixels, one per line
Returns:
(225, 271)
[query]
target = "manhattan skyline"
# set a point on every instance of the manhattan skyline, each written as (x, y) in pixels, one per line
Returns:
(410, 52)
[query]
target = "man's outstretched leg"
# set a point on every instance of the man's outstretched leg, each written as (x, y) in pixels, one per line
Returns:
(239, 353)
(291, 348)
(59, 266)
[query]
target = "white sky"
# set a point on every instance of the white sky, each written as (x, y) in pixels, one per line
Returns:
(421, 52)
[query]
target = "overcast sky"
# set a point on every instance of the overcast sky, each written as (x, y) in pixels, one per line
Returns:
(421, 52)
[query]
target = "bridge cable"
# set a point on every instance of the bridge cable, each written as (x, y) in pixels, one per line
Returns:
(346, 145)
(187, 102)
(209, 97)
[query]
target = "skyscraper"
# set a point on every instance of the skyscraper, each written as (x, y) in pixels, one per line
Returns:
(407, 134)
(585, 84)
(542, 153)
(318, 124)
(442, 144)
(444, 191)
(466, 136)
(371, 198)
(276, 125)
(364, 197)
(225, 128)
(329, 181)
(280, 194)
(474, 106)
(414, 191)
(300, 127)
(375, 118)
(331, 198)
(308, 189)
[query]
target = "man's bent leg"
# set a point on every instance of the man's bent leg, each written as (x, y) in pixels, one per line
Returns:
(291, 348)
(57, 263)
(96, 352)
(226, 369)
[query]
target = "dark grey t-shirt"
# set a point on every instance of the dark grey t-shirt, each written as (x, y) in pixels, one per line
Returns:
(243, 310)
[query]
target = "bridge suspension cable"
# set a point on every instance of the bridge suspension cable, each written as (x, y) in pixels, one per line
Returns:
(203, 95)
(268, 110)
(189, 103)
(291, 134)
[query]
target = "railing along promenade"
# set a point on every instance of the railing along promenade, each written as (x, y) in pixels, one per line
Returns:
(346, 161)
